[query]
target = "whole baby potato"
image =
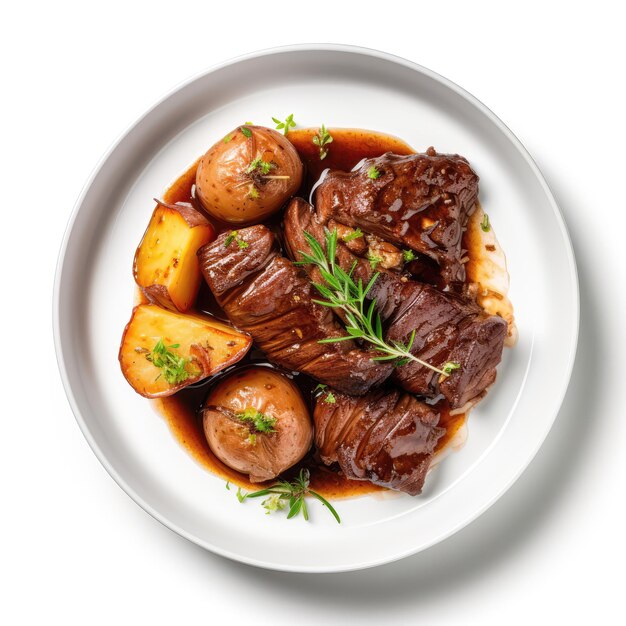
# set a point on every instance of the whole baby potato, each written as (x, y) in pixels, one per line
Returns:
(248, 175)
(256, 422)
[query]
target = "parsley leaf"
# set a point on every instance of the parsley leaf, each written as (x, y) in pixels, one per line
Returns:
(262, 166)
(275, 502)
(233, 235)
(246, 131)
(260, 422)
(408, 255)
(485, 224)
(373, 172)
(173, 366)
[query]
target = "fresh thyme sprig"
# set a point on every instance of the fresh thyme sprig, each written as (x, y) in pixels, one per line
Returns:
(174, 368)
(321, 140)
(362, 321)
(290, 493)
(286, 125)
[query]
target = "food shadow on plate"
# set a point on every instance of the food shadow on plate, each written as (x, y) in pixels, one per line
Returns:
(499, 534)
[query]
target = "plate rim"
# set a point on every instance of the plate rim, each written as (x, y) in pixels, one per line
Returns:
(58, 278)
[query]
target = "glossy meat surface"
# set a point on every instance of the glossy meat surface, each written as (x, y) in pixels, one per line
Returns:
(387, 437)
(266, 295)
(448, 328)
(417, 201)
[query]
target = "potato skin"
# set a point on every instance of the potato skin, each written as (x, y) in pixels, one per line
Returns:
(166, 266)
(265, 455)
(225, 188)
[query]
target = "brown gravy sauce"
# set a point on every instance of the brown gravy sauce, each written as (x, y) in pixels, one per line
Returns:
(182, 411)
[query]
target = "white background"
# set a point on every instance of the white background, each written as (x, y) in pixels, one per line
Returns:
(75, 549)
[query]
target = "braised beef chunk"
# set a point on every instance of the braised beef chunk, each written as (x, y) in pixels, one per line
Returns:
(417, 201)
(266, 295)
(243, 253)
(447, 327)
(387, 437)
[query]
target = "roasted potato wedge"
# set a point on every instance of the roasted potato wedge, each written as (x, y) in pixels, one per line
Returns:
(163, 351)
(166, 267)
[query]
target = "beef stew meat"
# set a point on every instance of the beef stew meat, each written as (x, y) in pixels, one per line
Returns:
(267, 296)
(418, 201)
(447, 327)
(387, 437)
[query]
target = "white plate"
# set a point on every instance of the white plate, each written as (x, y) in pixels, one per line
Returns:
(340, 86)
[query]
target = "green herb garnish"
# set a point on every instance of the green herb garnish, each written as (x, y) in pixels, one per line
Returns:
(257, 174)
(374, 260)
(408, 255)
(353, 235)
(322, 139)
(253, 194)
(341, 291)
(449, 367)
(485, 224)
(320, 387)
(260, 422)
(330, 398)
(291, 493)
(274, 502)
(286, 125)
(228, 138)
(373, 172)
(173, 366)
(264, 167)
(246, 131)
(228, 485)
(233, 235)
